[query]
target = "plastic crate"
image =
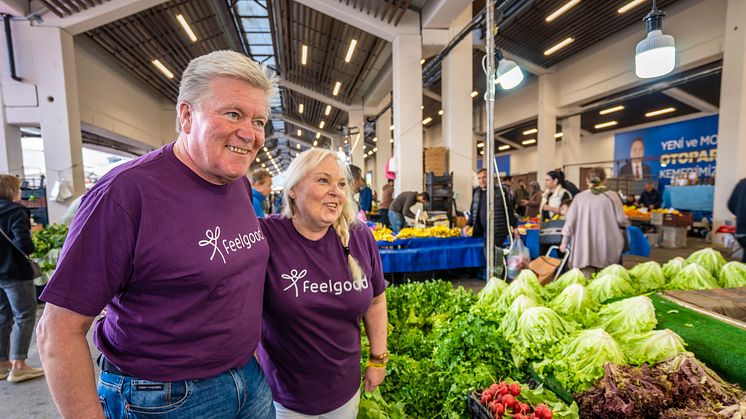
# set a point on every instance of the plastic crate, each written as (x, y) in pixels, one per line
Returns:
(673, 237)
(476, 409)
(656, 218)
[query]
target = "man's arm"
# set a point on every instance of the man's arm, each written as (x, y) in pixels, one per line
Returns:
(376, 321)
(61, 335)
(408, 204)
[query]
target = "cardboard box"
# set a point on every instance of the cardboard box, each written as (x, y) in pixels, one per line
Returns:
(673, 237)
(436, 160)
(673, 220)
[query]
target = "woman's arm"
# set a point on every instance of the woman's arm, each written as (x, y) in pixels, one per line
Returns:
(376, 321)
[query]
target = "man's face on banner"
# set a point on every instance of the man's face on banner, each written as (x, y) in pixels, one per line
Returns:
(637, 151)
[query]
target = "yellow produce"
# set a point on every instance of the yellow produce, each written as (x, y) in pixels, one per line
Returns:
(437, 231)
(381, 233)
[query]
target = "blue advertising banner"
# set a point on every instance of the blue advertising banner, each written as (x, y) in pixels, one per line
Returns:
(669, 151)
(503, 164)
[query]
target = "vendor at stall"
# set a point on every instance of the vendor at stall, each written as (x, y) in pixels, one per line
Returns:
(650, 197)
(402, 207)
(737, 205)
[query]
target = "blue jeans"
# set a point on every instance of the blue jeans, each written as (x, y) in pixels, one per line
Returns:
(237, 393)
(397, 221)
(17, 311)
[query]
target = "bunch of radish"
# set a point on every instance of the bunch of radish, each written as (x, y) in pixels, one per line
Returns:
(502, 400)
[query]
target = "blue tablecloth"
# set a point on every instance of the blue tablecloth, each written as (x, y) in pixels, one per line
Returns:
(689, 198)
(431, 254)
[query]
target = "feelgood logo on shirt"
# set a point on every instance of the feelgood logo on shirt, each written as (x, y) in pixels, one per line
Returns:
(226, 246)
(330, 287)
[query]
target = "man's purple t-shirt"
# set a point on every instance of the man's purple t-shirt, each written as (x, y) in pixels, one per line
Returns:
(310, 349)
(179, 262)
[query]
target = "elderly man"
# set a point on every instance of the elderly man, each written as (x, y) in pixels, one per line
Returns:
(167, 244)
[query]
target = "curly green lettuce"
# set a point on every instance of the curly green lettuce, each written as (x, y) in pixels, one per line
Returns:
(616, 270)
(693, 277)
(673, 267)
(539, 328)
(653, 347)
(575, 304)
(608, 286)
(573, 276)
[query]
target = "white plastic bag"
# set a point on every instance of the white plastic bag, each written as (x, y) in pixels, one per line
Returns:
(61, 192)
(517, 259)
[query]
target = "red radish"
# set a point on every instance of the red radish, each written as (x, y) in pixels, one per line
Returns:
(515, 389)
(509, 401)
(548, 413)
(504, 390)
(503, 383)
(488, 396)
(522, 407)
(492, 407)
(494, 387)
(539, 411)
(499, 409)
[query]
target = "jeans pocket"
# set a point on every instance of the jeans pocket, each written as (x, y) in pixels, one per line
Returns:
(105, 407)
(153, 397)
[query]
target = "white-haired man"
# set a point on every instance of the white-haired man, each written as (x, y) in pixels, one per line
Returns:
(166, 243)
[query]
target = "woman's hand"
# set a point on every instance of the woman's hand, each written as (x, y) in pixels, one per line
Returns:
(563, 248)
(373, 378)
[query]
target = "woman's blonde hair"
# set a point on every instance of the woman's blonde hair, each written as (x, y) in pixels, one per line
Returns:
(9, 187)
(298, 170)
(597, 175)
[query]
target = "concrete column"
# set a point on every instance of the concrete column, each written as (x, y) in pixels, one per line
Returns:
(11, 156)
(547, 125)
(407, 74)
(383, 133)
(571, 148)
(731, 126)
(356, 123)
(59, 112)
(458, 110)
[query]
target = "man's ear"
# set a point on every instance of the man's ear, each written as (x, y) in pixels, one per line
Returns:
(185, 117)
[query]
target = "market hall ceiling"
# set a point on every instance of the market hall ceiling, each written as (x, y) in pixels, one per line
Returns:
(63, 8)
(253, 27)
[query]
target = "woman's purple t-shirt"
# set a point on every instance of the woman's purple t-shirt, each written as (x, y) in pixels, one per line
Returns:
(179, 262)
(310, 349)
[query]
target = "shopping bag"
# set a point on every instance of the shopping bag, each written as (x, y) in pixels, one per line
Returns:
(544, 267)
(517, 259)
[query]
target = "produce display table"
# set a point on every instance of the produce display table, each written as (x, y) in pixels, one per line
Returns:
(689, 198)
(431, 254)
(718, 344)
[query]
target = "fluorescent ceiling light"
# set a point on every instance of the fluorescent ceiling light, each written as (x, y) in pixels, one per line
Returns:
(422, 107)
(375, 149)
(328, 110)
(337, 85)
(440, 112)
(186, 27)
(297, 146)
(300, 132)
(300, 108)
(558, 135)
(315, 143)
(605, 125)
(629, 6)
(655, 55)
(304, 54)
(391, 140)
(529, 141)
(559, 46)
(480, 145)
(482, 152)
(391, 127)
(318, 135)
(503, 147)
(163, 69)
(427, 120)
(422, 61)
(364, 147)
(321, 124)
(562, 10)
(370, 153)
(474, 93)
(350, 50)
(257, 160)
(660, 112)
(530, 131)
(264, 165)
(375, 139)
(266, 149)
(610, 110)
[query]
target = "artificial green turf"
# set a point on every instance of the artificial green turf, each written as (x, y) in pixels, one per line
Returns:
(719, 345)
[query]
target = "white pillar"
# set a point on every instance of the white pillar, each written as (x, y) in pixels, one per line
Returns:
(383, 133)
(356, 123)
(458, 109)
(11, 155)
(731, 149)
(407, 71)
(59, 112)
(571, 149)
(547, 125)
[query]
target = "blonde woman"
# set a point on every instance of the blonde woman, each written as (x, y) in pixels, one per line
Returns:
(324, 276)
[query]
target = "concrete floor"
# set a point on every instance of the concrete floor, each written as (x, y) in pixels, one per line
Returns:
(31, 399)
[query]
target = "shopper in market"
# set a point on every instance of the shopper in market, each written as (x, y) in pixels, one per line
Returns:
(478, 218)
(650, 198)
(401, 207)
(737, 205)
(521, 196)
(261, 185)
(324, 276)
(183, 289)
(554, 194)
(17, 291)
(387, 197)
(594, 226)
(534, 199)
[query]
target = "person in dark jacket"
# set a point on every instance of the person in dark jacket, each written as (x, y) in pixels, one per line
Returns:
(402, 207)
(261, 187)
(650, 197)
(737, 205)
(17, 291)
(478, 216)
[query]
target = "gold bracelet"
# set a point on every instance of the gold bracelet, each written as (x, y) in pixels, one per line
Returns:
(372, 364)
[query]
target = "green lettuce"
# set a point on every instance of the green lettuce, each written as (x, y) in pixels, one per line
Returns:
(616, 270)
(529, 277)
(580, 362)
(522, 285)
(575, 303)
(538, 329)
(648, 276)
(673, 267)
(628, 317)
(709, 259)
(491, 292)
(733, 275)
(693, 277)
(573, 276)
(509, 322)
(607, 286)
(653, 347)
